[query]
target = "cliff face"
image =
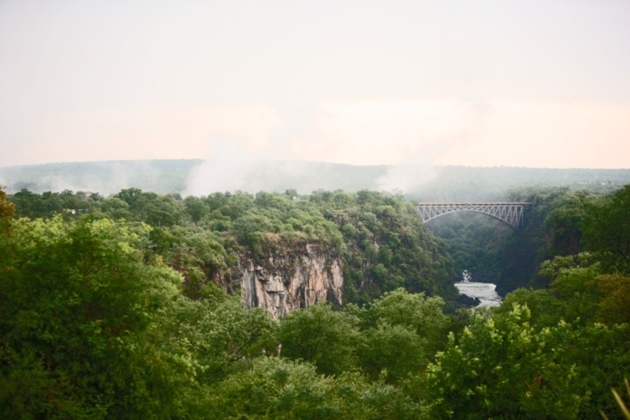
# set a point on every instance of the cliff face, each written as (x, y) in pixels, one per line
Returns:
(291, 278)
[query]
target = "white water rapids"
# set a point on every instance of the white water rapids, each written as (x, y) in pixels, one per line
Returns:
(485, 292)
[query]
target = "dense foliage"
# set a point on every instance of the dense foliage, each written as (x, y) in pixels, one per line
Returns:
(379, 236)
(120, 311)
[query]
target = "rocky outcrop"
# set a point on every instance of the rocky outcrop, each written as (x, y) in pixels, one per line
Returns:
(291, 278)
(464, 301)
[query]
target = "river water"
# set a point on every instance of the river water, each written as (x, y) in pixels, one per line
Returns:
(485, 292)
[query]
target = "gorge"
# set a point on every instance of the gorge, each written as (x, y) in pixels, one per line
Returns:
(288, 280)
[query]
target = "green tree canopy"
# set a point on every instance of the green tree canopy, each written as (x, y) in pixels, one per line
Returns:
(79, 312)
(329, 339)
(607, 230)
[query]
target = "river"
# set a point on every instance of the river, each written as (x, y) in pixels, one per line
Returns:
(485, 292)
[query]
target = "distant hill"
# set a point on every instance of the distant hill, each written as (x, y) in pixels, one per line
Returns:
(160, 176)
(463, 183)
(198, 177)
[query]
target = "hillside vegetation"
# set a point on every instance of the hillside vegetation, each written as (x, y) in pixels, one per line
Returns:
(379, 236)
(127, 306)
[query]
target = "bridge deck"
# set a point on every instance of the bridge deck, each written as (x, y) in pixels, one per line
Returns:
(476, 203)
(508, 212)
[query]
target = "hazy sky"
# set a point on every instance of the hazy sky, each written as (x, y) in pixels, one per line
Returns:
(483, 83)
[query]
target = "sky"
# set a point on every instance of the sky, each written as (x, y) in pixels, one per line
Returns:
(477, 83)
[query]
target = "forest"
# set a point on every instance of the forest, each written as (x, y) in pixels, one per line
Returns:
(130, 306)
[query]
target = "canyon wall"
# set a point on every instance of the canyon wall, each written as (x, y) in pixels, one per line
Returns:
(291, 278)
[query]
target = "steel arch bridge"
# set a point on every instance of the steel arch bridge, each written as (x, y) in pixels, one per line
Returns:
(510, 213)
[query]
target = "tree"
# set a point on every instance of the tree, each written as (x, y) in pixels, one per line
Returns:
(129, 195)
(574, 285)
(283, 389)
(420, 314)
(78, 323)
(249, 231)
(28, 204)
(196, 208)
(545, 307)
(500, 367)
(393, 353)
(217, 335)
(607, 230)
(563, 225)
(196, 254)
(402, 333)
(326, 338)
(7, 210)
(614, 307)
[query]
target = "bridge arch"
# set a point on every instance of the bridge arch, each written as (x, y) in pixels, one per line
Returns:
(510, 213)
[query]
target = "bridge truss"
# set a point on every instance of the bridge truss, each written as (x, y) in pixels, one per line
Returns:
(510, 213)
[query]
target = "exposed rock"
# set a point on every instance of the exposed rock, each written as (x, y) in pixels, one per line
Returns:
(291, 278)
(467, 301)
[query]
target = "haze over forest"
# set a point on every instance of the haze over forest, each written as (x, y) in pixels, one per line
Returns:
(200, 178)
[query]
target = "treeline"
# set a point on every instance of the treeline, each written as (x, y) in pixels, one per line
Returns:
(379, 236)
(120, 310)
